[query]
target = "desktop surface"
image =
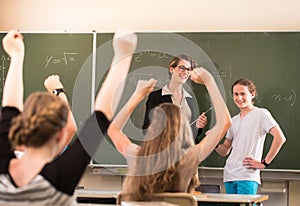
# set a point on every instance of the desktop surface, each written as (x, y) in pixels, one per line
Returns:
(98, 197)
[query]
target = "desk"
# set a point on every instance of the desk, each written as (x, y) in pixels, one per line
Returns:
(152, 203)
(109, 197)
(230, 199)
(97, 196)
(92, 204)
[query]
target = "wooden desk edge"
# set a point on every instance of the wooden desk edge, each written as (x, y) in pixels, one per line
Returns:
(96, 194)
(200, 198)
(219, 197)
(263, 198)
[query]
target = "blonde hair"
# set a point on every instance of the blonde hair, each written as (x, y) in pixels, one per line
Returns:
(43, 116)
(158, 158)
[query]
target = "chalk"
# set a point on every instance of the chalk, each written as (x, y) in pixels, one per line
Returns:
(208, 110)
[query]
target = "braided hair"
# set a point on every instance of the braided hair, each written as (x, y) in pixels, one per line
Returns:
(43, 116)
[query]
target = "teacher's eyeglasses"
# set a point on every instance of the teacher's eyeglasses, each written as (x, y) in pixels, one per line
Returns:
(183, 68)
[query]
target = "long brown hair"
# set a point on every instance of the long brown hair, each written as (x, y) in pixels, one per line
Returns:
(44, 115)
(157, 159)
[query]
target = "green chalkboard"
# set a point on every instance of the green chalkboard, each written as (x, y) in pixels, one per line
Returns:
(65, 54)
(153, 53)
(270, 59)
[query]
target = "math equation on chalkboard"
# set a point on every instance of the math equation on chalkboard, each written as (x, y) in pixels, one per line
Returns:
(65, 58)
(288, 97)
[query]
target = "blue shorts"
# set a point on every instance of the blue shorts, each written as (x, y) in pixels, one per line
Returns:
(241, 187)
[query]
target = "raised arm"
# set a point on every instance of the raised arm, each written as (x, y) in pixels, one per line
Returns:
(13, 88)
(223, 119)
(52, 83)
(120, 140)
(107, 100)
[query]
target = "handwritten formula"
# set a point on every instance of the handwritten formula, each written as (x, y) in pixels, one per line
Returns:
(66, 58)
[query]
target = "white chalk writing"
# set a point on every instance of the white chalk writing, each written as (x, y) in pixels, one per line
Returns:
(65, 59)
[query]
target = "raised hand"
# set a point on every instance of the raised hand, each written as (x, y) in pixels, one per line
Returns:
(145, 87)
(13, 43)
(200, 75)
(124, 42)
(52, 82)
(13, 90)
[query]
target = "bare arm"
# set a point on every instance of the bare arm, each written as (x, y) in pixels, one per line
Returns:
(13, 88)
(107, 100)
(278, 140)
(120, 140)
(224, 148)
(51, 83)
(223, 119)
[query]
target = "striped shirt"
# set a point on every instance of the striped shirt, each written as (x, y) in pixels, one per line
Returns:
(56, 182)
(39, 191)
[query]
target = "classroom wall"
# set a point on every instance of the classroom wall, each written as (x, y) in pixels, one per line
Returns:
(170, 15)
(154, 15)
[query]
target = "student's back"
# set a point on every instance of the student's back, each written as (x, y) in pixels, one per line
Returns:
(167, 160)
(44, 126)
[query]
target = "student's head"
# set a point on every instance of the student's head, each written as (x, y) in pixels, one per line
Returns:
(243, 92)
(165, 122)
(168, 127)
(43, 116)
(181, 65)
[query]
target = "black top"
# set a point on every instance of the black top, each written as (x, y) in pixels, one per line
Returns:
(59, 178)
(156, 98)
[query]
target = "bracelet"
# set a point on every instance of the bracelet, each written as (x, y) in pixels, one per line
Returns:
(264, 163)
(57, 91)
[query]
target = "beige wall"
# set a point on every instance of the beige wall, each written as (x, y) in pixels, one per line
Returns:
(140, 15)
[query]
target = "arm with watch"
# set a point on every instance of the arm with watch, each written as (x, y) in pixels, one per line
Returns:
(224, 149)
(53, 85)
(277, 142)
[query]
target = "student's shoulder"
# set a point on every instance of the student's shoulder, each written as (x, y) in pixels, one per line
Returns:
(10, 109)
(236, 116)
(261, 110)
(8, 112)
(263, 113)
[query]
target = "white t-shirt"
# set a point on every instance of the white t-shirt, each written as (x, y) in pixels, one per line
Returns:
(248, 135)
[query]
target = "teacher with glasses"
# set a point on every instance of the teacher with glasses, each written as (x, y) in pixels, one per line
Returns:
(173, 92)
